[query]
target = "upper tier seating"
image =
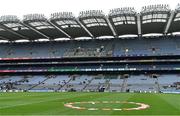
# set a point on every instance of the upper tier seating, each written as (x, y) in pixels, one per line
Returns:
(84, 48)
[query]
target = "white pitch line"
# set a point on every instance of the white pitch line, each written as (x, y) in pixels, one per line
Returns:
(106, 109)
(105, 101)
(116, 109)
(141, 106)
(92, 109)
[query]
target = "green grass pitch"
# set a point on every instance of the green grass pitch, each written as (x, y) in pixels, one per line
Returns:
(53, 103)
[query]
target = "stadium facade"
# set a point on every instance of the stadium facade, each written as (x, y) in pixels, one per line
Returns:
(124, 64)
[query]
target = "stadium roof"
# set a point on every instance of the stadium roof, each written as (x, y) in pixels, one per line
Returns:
(93, 23)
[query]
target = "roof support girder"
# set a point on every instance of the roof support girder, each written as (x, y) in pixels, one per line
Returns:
(12, 31)
(111, 27)
(32, 28)
(59, 29)
(139, 24)
(90, 34)
(169, 22)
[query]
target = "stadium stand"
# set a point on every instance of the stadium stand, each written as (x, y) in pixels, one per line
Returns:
(93, 53)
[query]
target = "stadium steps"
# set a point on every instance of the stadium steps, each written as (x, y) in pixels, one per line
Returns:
(38, 84)
(87, 84)
(64, 84)
(104, 85)
(107, 85)
(101, 85)
(157, 85)
(124, 85)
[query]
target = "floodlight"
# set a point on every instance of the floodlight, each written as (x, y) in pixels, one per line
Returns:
(34, 17)
(122, 11)
(9, 18)
(63, 15)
